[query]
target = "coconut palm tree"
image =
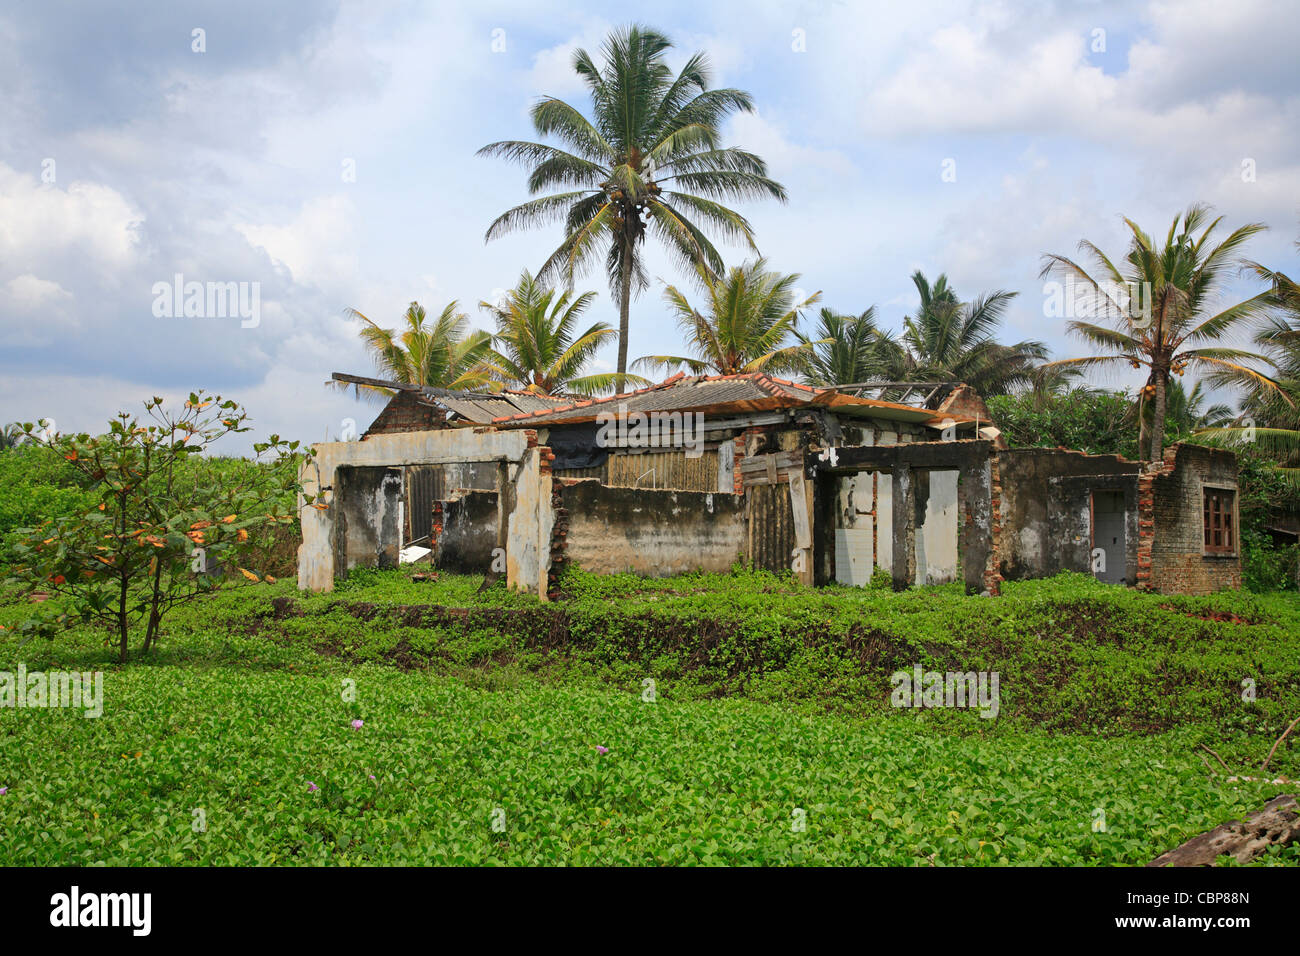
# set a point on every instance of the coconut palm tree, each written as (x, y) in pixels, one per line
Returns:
(750, 325)
(849, 349)
(648, 159)
(1162, 304)
(1269, 418)
(948, 340)
(538, 347)
(443, 353)
(1187, 412)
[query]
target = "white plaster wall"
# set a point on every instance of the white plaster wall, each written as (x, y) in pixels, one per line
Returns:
(936, 539)
(319, 477)
(528, 531)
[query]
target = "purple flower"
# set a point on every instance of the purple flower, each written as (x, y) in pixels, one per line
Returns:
(3, 791)
(601, 750)
(357, 724)
(311, 787)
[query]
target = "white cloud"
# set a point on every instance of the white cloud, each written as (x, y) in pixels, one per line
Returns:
(36, 312)
(39, 219)
(317, 246)
(29, 292)
(778, 146)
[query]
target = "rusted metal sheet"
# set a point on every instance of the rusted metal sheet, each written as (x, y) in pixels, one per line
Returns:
(672, 470)
(770, 536)
(424, 486)
(600, 473)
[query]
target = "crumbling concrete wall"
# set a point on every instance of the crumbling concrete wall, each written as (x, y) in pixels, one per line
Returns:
(318, 556)
(466, 532)
(1172, 500)
(529, 526)
(368, 532)
(964, 402)
(652, 533)
(969, 522)
(936, 523)
(1046, 511)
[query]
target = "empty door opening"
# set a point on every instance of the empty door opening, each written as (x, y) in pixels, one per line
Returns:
(1109, 548)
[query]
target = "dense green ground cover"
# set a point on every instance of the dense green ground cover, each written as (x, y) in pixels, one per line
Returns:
(770, 698)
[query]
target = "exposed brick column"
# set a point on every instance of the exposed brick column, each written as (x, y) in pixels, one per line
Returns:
(560, 529)
(1146, 529)
(1147, 515)
(992, 566)
(436, 531)
(559, 539)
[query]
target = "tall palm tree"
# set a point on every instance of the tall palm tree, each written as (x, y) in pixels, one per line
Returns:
(1178, 286)
(750, 325)
(948, 340)
(444, 353)
(1270, 417)
(649, 159)
(849, 349)
(537, 346)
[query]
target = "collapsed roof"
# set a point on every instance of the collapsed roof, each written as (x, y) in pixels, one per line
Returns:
(718, 395)
(735, 394)
(467, 407)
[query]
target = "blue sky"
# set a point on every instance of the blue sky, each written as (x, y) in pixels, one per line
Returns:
(127, 157)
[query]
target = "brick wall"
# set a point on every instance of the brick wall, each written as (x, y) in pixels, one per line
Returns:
(992, 575)
(1171, 555)
(406, 412)
(1045, 509)
(964, 402)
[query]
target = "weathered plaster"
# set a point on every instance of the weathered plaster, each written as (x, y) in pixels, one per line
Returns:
(317, 553)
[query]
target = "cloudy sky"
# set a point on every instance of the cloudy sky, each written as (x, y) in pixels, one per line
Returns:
(325, 151)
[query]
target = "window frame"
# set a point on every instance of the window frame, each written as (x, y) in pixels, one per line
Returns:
(1226, 525)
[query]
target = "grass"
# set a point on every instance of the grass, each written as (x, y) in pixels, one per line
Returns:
(487, 708)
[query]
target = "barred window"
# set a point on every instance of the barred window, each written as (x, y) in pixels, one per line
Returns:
(1219, 532)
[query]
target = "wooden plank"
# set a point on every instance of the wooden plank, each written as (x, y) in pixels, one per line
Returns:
(757, 463)
(799, 506)
(727, 467)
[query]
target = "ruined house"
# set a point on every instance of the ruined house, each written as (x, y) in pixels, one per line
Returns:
(833, 484)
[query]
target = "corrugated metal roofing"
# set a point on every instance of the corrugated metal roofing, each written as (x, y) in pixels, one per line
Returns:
(481, 408)
(723, 393)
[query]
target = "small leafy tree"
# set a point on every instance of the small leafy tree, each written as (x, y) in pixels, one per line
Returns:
(1096, 421)
(168, 525)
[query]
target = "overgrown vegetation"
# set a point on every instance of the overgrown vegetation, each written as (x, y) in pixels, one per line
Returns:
(482, 707)
(1074, 655)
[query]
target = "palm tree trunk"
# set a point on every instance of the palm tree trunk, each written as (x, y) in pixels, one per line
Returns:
(624, 306)
(1158, 418)
(1144, 431)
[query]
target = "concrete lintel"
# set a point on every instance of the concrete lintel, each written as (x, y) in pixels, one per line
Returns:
(933, 454)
